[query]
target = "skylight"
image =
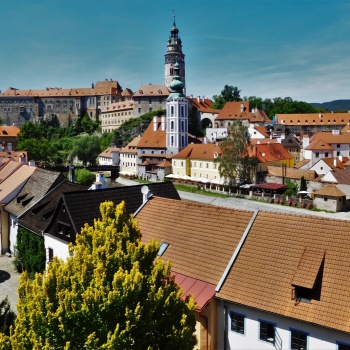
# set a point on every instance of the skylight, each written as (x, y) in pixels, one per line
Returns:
(162, 248)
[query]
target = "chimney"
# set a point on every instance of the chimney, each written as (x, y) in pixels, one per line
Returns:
(31, 163)
(9, 147)
(335, 162)
(71, 173)
(100, 178)
(341, 158)
(22, 159)
(242, 107)
(155, 123)
(163, 123)
(306, 141)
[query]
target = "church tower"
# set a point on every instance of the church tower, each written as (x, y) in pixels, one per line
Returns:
(174, 54)
(177, 115)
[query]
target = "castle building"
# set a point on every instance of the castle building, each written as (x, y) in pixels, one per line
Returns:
(174, 55)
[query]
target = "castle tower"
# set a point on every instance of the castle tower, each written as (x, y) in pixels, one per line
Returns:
(177, 115)
(174, 54)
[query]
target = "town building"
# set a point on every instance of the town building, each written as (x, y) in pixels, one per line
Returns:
(110, 156)
(19, 106)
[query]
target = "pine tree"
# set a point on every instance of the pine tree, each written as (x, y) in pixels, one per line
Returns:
(113, 292)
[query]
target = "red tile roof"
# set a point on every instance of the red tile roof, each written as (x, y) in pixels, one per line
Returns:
(193, 242)
(201, 151)
(151, 138)
(271, 152)
(265, 269)
(232, 111)
(152, 90)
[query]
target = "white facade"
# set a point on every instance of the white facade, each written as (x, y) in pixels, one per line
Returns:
(317, 338)
(58, 247)
(13, 228)
(177, 124)
(128, 163)
(321, 167)
(214, 134)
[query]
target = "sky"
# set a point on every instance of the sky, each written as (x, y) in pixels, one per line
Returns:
(266, 48)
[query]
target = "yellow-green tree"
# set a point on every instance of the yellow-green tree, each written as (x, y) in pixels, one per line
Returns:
(113, 292)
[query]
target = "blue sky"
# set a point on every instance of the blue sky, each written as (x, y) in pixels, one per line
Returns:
(267, 48)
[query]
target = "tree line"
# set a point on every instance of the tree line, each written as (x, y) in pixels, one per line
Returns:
(270, 106)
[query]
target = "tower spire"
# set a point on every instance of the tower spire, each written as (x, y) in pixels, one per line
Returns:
(174, 55)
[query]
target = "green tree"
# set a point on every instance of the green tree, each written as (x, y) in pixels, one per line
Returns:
(86, 124)
(228, 94)
(303, 184)
(7, 317)
(106, 139)
(39, 149)
(292, 188)
(84, 177)
(113, 292)
(86, 148)
(236, 164)
(30, 254)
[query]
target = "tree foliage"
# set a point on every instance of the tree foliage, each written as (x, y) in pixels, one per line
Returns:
(281, 105)
(86, 149)
(292, 188)
(85, 124)
(113, 292)
(84, 177)
(133, 127)
(7, 317)
(236, 164)
(228, 94)
(30, 252)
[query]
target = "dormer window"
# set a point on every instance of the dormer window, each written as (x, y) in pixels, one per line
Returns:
(307, 280)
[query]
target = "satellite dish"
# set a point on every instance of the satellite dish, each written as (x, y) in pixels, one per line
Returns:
(144, 189)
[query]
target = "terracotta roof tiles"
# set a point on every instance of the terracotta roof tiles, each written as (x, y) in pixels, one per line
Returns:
(270, 261)
(193, 236)
(330, 190)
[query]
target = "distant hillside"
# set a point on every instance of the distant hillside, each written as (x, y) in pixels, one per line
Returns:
(335, 106)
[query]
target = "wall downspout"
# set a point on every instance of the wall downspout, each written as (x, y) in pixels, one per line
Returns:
(225, 325)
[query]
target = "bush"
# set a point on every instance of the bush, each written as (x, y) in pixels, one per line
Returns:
(84, 177)
(7, 317)
(30, 254)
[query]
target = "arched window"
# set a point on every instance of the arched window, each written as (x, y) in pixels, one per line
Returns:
(172, 140)
(182, 111)
(171, 125)
(182, 126)
(172, 110)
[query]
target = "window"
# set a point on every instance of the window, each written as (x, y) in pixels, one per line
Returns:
(343, 346)
(326, 154)
(267, 331)
(298, 340)
(317, 154)
(237, 322)
(162, 248)
(338, 154)
(338, 145)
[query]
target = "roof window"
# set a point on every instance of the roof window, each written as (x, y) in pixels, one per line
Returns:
(163, 247)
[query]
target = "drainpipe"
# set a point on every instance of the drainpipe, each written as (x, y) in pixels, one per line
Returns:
(225, 326)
